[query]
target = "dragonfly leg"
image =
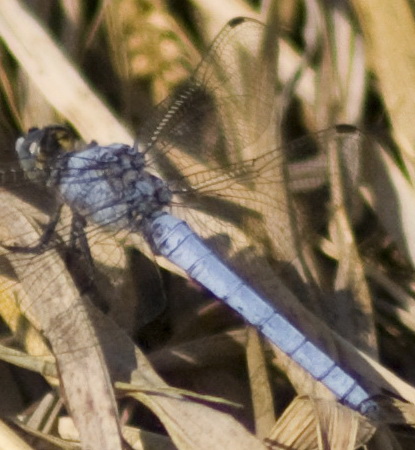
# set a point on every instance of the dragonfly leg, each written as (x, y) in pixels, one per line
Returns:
(79, 246)
(44, 240)
(79, 241)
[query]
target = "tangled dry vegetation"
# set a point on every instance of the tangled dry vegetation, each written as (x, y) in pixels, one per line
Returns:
(181, 369)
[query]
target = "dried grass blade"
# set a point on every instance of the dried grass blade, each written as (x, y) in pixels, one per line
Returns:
(55, 76)
(389, 30)
(309, 424)
(52, 303)
(392, 198)
(261, 391)
(353, 303)
(190, 425)
(10, 440)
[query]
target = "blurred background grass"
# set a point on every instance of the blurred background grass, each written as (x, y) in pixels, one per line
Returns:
(340, 62)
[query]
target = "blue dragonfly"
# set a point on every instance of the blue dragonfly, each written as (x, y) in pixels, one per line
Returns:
(210, 144)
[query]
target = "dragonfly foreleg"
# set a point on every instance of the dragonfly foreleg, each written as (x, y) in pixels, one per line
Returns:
(44, 240)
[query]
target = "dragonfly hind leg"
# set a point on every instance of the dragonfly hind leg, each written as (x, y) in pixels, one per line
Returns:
(78, 241)
(85, 274)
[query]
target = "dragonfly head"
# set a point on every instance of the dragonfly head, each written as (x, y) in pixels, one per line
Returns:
(40, 147)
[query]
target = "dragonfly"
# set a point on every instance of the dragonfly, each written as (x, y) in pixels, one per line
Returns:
(214, 149)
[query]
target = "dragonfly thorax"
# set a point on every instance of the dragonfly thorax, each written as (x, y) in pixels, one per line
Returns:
(109, 186)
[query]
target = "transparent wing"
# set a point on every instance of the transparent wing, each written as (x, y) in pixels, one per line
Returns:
(225, 105)
(214, 142)
(215, 119)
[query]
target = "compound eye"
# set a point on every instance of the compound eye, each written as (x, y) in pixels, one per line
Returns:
(19, 145)
(34, 148)
(26, 149)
